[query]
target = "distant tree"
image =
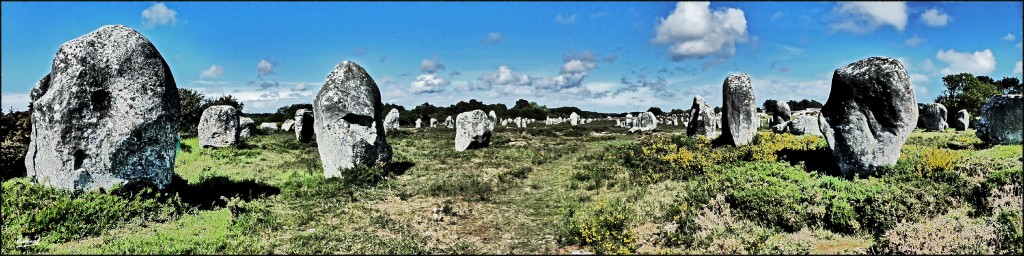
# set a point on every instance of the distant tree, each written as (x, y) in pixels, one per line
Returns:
(15, 132)
(656, 111)
(288, 112)
(676, 111)
(718, 110)
(227, 100)
(564, 111)
(964, 91)
(769, 105)
(803, 104)
(423, 111)
(528, 109)
(1010, 85)
(192, 104)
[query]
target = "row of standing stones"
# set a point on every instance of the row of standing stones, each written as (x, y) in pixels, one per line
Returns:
(107, 115)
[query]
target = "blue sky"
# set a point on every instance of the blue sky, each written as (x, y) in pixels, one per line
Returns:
(605, 56)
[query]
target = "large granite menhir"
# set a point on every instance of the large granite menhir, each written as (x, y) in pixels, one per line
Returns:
(869, 114)
(349, 128)
(702, 119)
(933, 117)
(963, 120)
(303, 125)
(472, 130)
(739, 114)
(218, 127)
(106, 115)
(1001, 120)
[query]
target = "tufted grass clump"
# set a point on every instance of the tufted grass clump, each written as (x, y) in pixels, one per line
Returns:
(767, 145)
(605, 227)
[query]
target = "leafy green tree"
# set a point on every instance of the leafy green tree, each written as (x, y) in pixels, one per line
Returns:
(769, 105)
(424, 111)
(227, 100)
(656, 111)
(676, 111)
(965, 91)
(288, 112)
(192, 105)
(1010, 85)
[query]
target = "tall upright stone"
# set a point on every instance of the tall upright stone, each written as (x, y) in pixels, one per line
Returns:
(288, 125)
(933, 117)
(246, 127)
(869, 114)
(702, 119)
(349, 128)
(419, 123)
(739, 114)
(471, 130)
(780, 117)
(433, 122)
(303, 125)
(1001, 120)
(574, 119)
(218, 127)
(645, 122)
(963, 120)
(493, 120)
(449, 122)
(391, 120)
(106, 114)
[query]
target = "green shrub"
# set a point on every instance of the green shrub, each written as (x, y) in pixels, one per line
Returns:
(767, 145)
(1010, 232)
(605, 228)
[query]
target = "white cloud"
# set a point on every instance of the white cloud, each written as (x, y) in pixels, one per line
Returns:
(977, 63)
(300, 86)
(1017, 69)
(935, 18)
(785, 89)
(693, 30)
(492, 38)
(863, 17)
(265, 67)
(1009, 37)
(157, 15)
(430, 66)
(215, 71)
(568, 19)
(429, 83)
(927, 65)
(503, 76)
(918, 78)
(17, 101)
(601, 86)
(915, 40)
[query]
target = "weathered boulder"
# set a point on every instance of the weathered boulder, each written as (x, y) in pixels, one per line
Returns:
(804, 124)
(218, 127)
(574, 119)
(869, 114)
(349, 128)
(933, 117)
(303, 125)
(419, 123)
(106, 115)
(739, 114)
(963, 120)
(645, 122)
(472, 130)
(391, 120)
(702, 119)
(1001, 120)
(288, 125)
(780, 116)
(494, 120)
(449, 122)
(269, 127)
(433, 122)
(246, 127)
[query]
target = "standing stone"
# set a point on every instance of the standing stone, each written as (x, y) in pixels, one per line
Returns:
(269, 127)
(869, 114)
(246, 127)
(519, 122)
(106, 115)
(780, 117)
(349, 128)
(449, 122)
(493, 120)
(1001, 119)
(218, 127)
(391, 120)
(574, 119)
(419, 123)
(702, 119)
(739, 114)
(934, 117)
(433, 122)
(645, 121)
(804, 124)
(963, 119)
(303, 125)
(471, 130)
(288, 125)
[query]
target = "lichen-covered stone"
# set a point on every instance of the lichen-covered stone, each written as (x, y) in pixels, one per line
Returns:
(1001, 120)
(349, 128)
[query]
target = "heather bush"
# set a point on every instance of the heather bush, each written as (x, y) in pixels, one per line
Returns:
(952, 233)
(604, 227)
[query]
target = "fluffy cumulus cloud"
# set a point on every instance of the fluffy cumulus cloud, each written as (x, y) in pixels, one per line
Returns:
(935, 18)
(977, 63)
(492, 38)
(431, 66)
(429, 83)
(159, 15)
(1009, 37)
(215, 71)
(265, 67)
(1017, 69)
(567, 19)
(863, 17)
(504, 76)
(693, 30)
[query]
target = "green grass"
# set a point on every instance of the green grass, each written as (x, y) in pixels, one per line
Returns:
(542, 189)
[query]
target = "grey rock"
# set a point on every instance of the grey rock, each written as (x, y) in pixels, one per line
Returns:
(933, 117)
(391, 120)
(1001, 120)
(805, 125)
(419, 123)
(433, 122)
(739, 114)
(246, 127)
(269, 127)
(349, 128)
(645, 122)
(963, 120)
(702, 119)
(494, 120)
(106, 115)
(288, 125)
(218, 127)
(449, 122)
(303, 125)
(869, 114)
(780, 115)
(471, 130)
(574, 119)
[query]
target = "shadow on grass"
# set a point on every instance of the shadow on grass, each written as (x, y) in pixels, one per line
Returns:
(207, 194)
(819, 160)
(398, 168)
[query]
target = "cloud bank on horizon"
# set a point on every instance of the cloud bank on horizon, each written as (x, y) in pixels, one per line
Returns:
(607, 57)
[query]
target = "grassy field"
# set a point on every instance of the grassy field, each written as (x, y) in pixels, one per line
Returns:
(544, 189)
